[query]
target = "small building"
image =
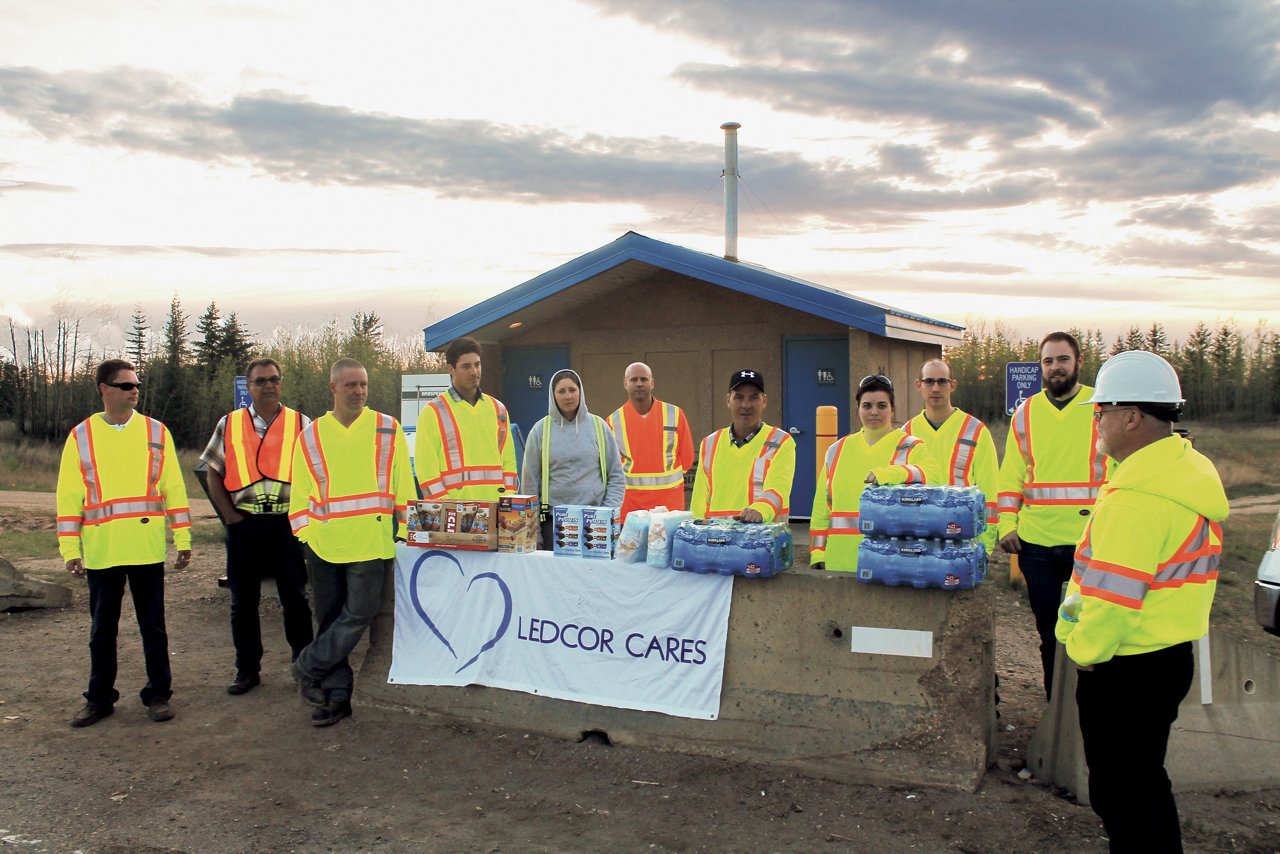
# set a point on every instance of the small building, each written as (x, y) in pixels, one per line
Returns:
(694, 319)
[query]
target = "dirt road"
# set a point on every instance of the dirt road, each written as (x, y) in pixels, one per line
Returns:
(249, 773)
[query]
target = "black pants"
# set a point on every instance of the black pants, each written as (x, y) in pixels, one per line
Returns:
(348, 596)
(1127, 707)
(106, 593)
(1046, 569)
(263, 544)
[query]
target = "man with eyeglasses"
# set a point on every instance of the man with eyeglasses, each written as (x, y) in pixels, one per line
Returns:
(1049, 480)
(745, 470)
(118, 483)
(960, 442)
(1145, 575)
(251, 459)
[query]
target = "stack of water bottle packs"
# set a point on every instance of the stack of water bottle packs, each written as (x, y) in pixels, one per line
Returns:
(922, 536)
(673, 539)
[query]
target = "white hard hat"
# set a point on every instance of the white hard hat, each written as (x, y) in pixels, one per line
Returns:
(1137, 376)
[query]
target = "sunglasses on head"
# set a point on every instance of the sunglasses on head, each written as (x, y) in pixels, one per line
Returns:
(862, 383)
(125, 386)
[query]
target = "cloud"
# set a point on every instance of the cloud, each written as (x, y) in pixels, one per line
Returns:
(79, 250)
(967, 267)
(1224, 257)
(8, 185)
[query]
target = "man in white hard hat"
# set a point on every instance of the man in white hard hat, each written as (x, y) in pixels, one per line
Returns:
(1144, 578)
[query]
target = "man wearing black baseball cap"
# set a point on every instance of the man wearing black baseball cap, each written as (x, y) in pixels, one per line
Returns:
(745, 470)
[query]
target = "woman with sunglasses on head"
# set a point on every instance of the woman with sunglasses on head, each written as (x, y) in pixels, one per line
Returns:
(879, 453)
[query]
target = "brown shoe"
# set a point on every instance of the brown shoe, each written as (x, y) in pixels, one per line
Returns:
(159, 710)
(91, 714)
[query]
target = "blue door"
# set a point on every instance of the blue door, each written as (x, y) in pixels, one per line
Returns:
(526, 374)
(816, 373)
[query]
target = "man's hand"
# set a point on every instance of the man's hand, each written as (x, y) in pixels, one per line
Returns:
(1084, 667)
(75, 566)
(749, 515)
(1011, 543)
(233, 517)
(871, 479)
(184, 559)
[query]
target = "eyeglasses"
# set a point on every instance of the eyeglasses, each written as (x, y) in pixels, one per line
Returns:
(125, 386)
(931, 381)
(862, 383)
(1098, 411)
(261, 381)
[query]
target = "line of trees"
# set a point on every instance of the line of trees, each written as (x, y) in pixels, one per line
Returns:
(1225, 374)
(188, 371)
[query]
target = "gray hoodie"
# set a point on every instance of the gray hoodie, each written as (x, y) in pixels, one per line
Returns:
(574, 457)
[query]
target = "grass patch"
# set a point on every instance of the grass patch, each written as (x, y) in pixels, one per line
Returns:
(1245, 538)
(16, 545)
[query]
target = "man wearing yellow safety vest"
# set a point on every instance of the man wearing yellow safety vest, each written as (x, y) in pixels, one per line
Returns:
(655, 443)
(745, 470)
(1049, 479)
(352, 485)
(1145, 573)
(961, 443)
(251, 459)
(464, 447)
(119, 482)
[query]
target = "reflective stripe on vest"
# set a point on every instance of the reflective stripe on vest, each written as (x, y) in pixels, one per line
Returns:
(249, 458)
(1196, 562)
(964, 451)
(760, 468)
(672, 474)
(343, 506)
(830, 462)
(95, 510)
(546, 461)
(457, 474)
(915, 474)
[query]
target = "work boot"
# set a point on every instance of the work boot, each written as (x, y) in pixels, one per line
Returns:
(91, 714)
(243, 683)
(311, 691)
(159, 711)
(330, 713)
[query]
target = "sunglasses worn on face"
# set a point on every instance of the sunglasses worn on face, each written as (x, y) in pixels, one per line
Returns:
(862, 383)
(125, 386)
(261, 381)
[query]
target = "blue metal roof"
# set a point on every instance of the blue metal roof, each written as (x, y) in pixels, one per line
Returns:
(755, 281)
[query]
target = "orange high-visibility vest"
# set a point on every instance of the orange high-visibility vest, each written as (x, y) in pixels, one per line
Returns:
(655, 449)
(250, 459)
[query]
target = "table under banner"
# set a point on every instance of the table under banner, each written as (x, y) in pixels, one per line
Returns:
(602, 632)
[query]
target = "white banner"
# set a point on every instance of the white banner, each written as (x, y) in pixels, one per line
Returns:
(602, 632)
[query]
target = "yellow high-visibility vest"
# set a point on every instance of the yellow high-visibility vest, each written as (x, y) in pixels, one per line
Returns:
(1051, 472)
(351, 487)
(757, 475)
(116, 488)
(465, 452)
(896, 458)
(963, 447)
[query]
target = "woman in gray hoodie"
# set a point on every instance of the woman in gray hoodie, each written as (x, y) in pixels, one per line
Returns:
(564, 451)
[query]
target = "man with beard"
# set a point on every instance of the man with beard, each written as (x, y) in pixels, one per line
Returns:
(1049, 480)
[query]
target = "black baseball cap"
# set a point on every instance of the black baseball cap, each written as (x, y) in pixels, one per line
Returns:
(755, 378)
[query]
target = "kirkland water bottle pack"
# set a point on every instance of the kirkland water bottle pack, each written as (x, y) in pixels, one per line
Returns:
(946, 512)
(733, 548)
(922, 536)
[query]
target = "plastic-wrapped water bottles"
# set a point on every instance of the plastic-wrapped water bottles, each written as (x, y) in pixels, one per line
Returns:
(947, 564)
(946, 512)
(733, 548)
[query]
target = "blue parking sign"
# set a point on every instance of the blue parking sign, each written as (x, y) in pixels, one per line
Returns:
(242, 392)
(1021, 381)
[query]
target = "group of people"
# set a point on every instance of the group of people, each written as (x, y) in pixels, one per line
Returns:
(1095, 491)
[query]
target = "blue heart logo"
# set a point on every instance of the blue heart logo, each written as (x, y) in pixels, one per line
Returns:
(503, 625)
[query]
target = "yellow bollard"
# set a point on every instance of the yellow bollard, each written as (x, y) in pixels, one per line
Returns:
(828, 421)
(1015, 574)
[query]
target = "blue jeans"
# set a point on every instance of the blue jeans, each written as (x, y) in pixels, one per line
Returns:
(261, 545)
(106, 593)
(1127, 707)
(347, 597)
(1046, 569)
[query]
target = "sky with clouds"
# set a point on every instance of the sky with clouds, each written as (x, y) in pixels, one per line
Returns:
(1079, 163)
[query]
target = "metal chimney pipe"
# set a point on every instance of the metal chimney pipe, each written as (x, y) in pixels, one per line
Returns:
(730, 190)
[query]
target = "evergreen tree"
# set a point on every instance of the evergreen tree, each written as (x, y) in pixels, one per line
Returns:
(135, 340)
(174, 346)
(1193, 370)
(1135, 339)
(1157, 340)
(208, 347)
(237, 343)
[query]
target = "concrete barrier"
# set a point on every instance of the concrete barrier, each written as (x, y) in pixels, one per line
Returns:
(794, 693)
(1227, 735)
